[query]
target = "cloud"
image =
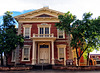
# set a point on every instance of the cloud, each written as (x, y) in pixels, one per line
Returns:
(77, 7)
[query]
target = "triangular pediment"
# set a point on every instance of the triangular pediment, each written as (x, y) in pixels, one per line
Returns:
(44, 15)
(43, 12)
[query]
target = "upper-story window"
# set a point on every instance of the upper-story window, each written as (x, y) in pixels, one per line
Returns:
(27, 31)
(61, 33)
(44, 30)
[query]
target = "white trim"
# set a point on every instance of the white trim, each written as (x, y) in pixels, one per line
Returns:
(33, 53)
(27, 26)
(58, 34)
(44, 13)
(26, 46)
(12, 60)
(64, 47)
(44, 26)
(53, 53)
(37, 21)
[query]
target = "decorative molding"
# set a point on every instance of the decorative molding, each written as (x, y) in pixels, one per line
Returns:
(27, 25)
(40, 25)
(44, 9)
(27, 41)
(61, 41)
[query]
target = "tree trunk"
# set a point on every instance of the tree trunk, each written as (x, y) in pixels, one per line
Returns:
(88, 59)
(6, 60)
(1, 60)
(78, 62)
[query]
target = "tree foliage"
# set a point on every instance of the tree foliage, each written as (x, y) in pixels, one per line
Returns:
(85, 32)
(9, 39)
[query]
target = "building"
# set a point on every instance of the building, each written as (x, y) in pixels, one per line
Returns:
(44, 43)
(96, 57)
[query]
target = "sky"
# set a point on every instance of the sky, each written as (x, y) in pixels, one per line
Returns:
(76, 7)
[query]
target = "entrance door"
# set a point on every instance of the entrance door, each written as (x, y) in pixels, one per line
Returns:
(44, 54)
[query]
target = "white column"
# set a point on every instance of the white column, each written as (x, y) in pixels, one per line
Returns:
(33, 54)
(64, 56)
(52, 52)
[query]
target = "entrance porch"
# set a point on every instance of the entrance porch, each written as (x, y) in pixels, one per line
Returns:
(43, 50)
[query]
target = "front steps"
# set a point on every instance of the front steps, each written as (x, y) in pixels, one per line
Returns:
(42, 67)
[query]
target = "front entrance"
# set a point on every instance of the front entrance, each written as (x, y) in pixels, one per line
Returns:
(43, 53)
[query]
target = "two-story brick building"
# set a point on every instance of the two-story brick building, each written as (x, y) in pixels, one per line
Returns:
(43, 41)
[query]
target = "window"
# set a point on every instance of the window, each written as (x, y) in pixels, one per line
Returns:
(41, 32)
(61, 34)
(26, 32)
(44, 15)
(26, 54)
(44, 46)
(44, 31)
(61, 53)
(13, 56)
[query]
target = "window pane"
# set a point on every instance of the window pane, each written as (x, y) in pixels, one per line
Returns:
(26, 53)
(46, 30)
(27, 32)
(13, 55)
(60, 33)
(44, 46)
(61, 53)
(41, 31)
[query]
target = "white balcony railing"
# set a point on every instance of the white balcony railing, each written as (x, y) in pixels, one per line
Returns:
(43, 35)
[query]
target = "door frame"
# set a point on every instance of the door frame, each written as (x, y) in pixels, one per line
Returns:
(39, 51)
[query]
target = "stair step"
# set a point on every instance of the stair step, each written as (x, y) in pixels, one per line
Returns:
(39, 67)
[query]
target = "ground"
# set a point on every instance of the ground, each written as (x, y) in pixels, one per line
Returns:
(50, 71)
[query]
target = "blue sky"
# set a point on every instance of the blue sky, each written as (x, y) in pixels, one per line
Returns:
(15, 13)
(76, 7)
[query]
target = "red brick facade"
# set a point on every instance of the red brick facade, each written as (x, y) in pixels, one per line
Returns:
(34, 20)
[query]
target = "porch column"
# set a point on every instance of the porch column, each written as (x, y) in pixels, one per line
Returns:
(52, 52)
(33, 54)
(65, 56)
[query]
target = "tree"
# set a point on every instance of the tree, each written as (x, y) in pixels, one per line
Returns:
(84, 33)
(9, 35)
(87, 34)
(1, 51)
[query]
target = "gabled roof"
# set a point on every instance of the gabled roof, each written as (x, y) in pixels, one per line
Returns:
(33, 15)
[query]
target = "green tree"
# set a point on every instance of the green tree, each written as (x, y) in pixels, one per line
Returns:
(84, 32)
(87, 33)
(10, 39)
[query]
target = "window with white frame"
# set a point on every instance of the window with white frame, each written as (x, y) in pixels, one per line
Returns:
(61, 34)
(61, 53)
(27, 32)
(44, 31)
(26, 54)
(13, 56)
